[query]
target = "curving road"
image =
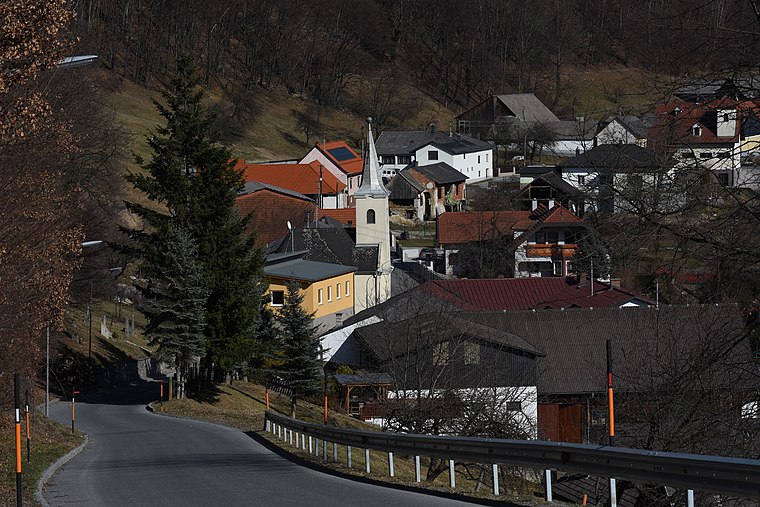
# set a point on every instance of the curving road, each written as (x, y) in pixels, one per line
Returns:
(136, 458)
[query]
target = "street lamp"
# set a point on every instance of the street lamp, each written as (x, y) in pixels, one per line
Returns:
(66, 63)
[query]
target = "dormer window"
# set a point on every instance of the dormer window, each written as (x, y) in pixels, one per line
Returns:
(677, 110)
(696, 130)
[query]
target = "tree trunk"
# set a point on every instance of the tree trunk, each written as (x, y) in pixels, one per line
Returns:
(293, 407)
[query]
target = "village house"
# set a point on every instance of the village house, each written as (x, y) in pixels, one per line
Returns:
(400, 149)
(423, 192)
(549, 189)
(342, 162)
(311, 180)
(326, 288)
(625, 129)
(270, 209)
(541, 242)
(613, 175)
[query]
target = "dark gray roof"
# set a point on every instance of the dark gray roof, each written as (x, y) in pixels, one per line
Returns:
(707, 90)
(391, 339)
(637, 126)
(309, 271)
(535, 170)
(618, 158)
(406, 142)
(403, 186)
(527, 107)
(573, 342)
(364, 379)
(573, 130)
(255, 186)
(365, 258)
(441, 173)
(556, 181)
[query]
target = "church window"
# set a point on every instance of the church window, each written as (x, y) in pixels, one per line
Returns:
(370, 216)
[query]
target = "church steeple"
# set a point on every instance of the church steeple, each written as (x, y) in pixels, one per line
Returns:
(372, 185)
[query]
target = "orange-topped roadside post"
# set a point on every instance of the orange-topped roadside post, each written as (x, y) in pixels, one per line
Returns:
(17, 413)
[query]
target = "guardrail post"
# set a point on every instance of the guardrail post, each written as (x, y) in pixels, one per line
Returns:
(324, 450)
(452, 477)
(303, 441)
(311, 445)
(269, 425)
(390, 464)
(366, 460)
(548, 495)
(495, 479)
(348, 456)
(316, 447)
(689, 498)
(613, 492)
(291, 438)
(298, 444)
(335, 452)
(417, 468)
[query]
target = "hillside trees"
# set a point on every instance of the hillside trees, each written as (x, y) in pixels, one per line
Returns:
(192, 186)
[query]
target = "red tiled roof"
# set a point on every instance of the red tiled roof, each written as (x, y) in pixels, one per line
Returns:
(526, 294)
(302, 178)
(561, 215)
(351, 166)
(270, 212)
(463, 227)
(346, 216)
(675, 120)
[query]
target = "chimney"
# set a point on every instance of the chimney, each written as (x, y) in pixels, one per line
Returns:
(432, 128)
(614, 283)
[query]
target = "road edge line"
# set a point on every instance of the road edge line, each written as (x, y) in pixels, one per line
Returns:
(49, 471)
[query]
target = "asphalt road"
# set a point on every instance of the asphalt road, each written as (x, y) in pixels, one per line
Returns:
(136, 458)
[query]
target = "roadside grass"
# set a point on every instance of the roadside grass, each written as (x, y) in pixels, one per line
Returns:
(242, 406)
(49, 442)
(412, 242)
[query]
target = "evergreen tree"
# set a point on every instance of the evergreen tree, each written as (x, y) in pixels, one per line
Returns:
(592, 256)
(191, 179)
(176, 301)
(301, 366)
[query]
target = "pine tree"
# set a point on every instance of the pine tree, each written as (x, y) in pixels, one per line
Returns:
(191, 180)
(300, 368)
(176, 296)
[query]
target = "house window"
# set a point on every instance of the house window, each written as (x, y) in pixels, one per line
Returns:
(696, 131)
(478, 159)
(513, 406)
(705, 154)
(486, 157)
(319, 296)
(725, 116)
(557, 268)
(471, 353)
(337, 290)
(404, 159)
(581, 180)
(541, 237)
(432, 155)
(388, 159)
(348, 289)
(441, 353)
(552, 237)
(278, 297)
(329, 293)
(687, 154)
(724, 154)
(370, 216)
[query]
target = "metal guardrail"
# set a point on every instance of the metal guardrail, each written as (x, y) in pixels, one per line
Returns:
(730, 476)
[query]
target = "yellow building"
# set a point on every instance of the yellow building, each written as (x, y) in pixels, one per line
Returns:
(327, 289)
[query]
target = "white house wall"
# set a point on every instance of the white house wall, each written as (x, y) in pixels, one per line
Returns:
(475, 165)
(336, 344)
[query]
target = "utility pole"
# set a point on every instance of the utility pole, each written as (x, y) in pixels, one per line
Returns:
(47, 369)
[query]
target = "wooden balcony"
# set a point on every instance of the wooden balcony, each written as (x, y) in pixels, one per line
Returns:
(550, 250)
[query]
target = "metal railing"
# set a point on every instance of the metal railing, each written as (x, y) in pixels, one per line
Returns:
(714, 474)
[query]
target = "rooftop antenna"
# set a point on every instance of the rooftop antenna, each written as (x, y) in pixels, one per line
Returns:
(292, 241)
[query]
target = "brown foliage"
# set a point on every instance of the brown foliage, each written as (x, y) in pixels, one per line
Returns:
(40, 235)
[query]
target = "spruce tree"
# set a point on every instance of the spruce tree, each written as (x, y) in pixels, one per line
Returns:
(191, 179)
(301, 366)
(176, 304)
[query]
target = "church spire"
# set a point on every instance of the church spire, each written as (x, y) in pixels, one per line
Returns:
(372, 185)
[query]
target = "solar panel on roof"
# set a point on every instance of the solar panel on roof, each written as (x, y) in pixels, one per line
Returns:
(341, 154)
